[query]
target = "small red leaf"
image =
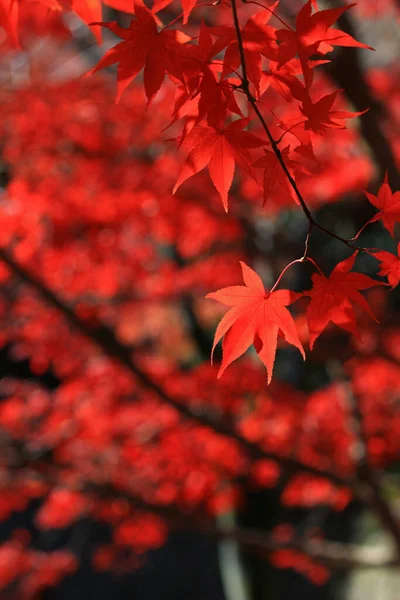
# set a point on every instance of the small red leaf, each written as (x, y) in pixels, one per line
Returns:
(332, 298)
(389, 205)
(390, 265)
(256, 317)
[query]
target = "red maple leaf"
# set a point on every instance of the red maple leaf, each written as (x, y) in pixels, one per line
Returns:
(313, 36)
(143, 46)
(332, 298)
(198, 57)
(220, 149)
(256, 317)
(389, 205)
(389, 265)
(319, 115)
(277, 77)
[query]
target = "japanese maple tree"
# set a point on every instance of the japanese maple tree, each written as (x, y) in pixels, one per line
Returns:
(159, 160)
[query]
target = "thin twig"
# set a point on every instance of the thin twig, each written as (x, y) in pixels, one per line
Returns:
(306, 243)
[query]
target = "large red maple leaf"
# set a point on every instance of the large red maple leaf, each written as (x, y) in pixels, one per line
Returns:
(220, 149)
(313, 36)
(332, 298)
(389, 205)
(143, 47)
(256, 317)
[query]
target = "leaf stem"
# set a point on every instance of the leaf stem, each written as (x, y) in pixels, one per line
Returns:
(306, 243)
(298, 260)
(372, 220)
(312, 261)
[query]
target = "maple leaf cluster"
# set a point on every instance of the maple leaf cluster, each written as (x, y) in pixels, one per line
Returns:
(206, 101)
(209, 90)
(258, 316)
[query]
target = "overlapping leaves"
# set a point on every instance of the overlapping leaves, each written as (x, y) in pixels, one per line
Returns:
(143, 47)
(257, 316)
(220, 76)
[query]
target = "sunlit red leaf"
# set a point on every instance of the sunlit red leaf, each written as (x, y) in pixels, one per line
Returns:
(256, 317)
(220, 150)
(143, 47)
